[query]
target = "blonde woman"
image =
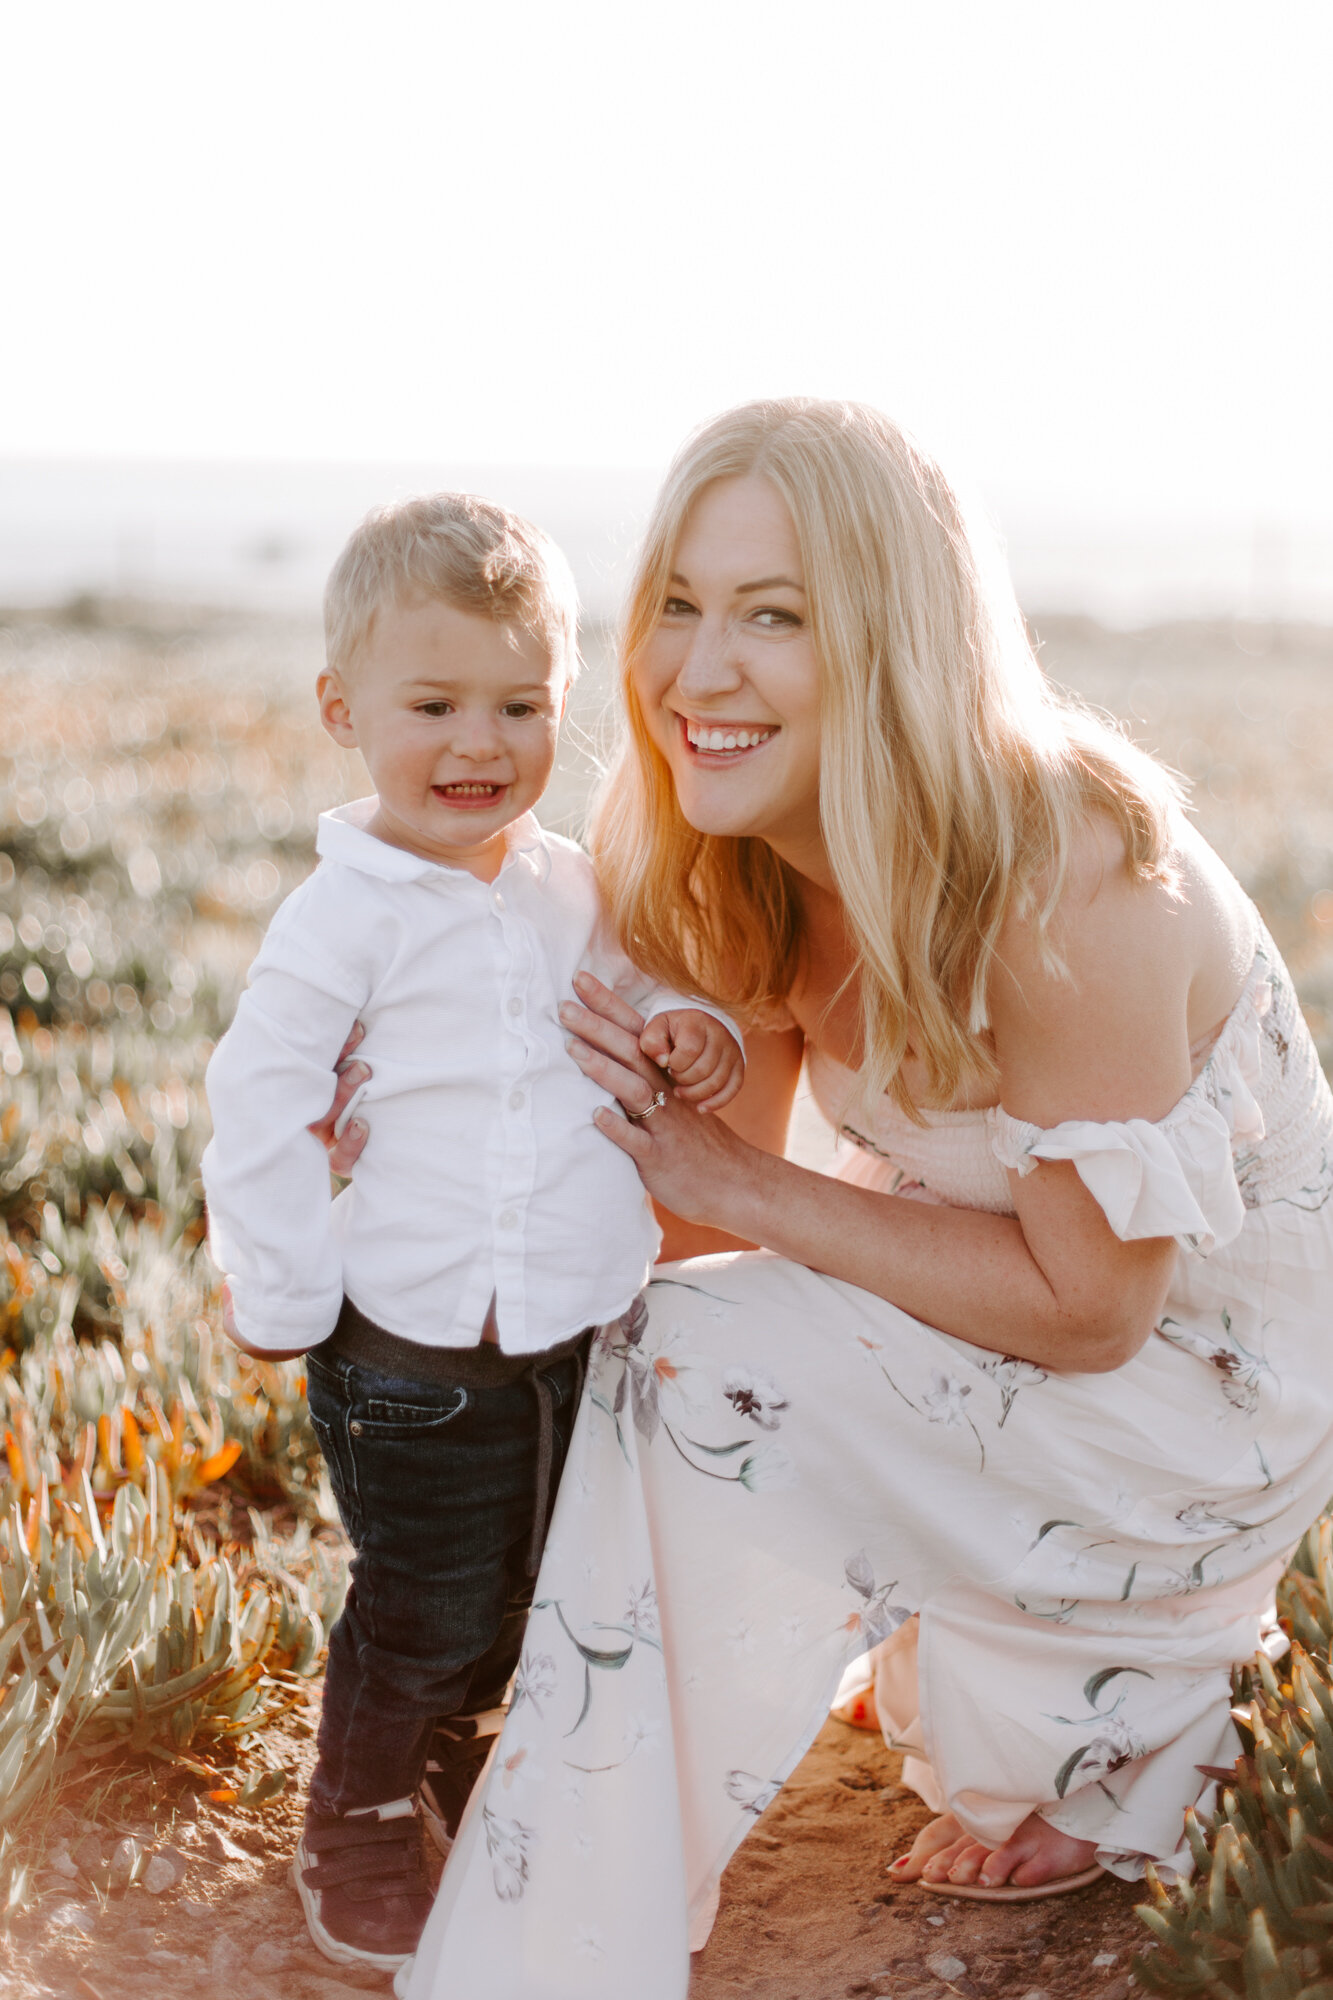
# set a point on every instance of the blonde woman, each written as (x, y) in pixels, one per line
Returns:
(1053, 1425)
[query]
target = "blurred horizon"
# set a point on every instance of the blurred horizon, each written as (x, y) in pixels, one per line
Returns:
(258, 535)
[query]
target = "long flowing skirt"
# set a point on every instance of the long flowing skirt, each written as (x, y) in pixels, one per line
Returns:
(772, 1472)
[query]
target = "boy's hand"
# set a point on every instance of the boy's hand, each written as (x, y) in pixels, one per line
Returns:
(702, 1058)
(259, 1353)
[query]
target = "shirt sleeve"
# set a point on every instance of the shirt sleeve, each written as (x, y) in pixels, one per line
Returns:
(607, 962)
(266, 1178)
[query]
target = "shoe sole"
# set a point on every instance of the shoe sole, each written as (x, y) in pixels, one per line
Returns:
(1009, 1892)
(336, 1952)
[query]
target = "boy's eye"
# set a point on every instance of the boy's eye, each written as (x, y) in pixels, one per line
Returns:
(434, 708)
(517, 709)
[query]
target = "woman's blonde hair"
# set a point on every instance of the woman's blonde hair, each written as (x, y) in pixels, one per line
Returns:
(953, 776)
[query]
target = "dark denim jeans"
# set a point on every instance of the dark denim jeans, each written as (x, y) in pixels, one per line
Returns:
(436, 1485)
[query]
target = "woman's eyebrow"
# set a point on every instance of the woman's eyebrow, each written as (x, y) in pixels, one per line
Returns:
(764, 583)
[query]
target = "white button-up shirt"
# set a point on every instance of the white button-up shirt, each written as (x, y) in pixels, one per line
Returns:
(483, 1176)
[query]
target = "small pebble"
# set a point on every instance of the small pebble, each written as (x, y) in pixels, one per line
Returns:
(218, 1848)
(88, 1853)
(945, 1966)
(937, 1921)
(226, 1961)
(136, 1942)
(164, 1871)
(269, 1957)
(79, 1917)
(126, 1860)
(162, 1961)
(60, 1863)
(192, 1907)
(1104, 1958)
(1037, 1993)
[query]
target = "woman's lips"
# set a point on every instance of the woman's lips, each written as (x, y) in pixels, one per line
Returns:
(725, 740)
(470, 795)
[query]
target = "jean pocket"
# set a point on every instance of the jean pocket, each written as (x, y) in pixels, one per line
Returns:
(386, 1418)
(342, 1473)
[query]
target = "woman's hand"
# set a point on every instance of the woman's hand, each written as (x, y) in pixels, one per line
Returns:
(344, 1148)
(689, 1162)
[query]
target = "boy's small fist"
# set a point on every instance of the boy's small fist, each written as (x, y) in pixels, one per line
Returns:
(701, 1056)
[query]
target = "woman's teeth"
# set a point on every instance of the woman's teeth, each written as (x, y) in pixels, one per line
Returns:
(701, 738)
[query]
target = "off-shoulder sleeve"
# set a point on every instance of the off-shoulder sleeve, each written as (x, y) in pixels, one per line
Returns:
(1176, 1177)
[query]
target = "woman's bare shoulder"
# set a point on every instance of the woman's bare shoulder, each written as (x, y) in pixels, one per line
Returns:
(1095, 1017)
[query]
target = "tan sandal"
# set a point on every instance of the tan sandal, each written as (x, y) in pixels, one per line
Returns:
(1009, 1892)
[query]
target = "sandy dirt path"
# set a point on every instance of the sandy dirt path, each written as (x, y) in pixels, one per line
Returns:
(807, 1911)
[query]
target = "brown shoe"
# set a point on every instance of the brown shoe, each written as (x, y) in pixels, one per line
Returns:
(362, 1882)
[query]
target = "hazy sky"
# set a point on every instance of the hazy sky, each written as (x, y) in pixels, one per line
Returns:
(1083, 248)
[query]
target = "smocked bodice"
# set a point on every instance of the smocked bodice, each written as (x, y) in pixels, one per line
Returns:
(1255, 1127)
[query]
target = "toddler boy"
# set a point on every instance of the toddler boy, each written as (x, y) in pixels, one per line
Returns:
(446, 1296)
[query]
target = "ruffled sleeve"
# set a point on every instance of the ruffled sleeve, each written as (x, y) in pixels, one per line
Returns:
(1173, 1178)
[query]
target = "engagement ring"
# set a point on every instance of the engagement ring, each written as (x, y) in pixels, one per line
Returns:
(640, 1117)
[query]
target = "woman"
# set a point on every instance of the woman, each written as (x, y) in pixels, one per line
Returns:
(1054, 1427)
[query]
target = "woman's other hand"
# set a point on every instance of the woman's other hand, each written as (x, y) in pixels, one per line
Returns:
(344, 1148)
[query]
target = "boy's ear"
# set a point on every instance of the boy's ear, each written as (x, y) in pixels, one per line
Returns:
(334, 710)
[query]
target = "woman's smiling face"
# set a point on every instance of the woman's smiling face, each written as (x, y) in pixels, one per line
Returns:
(728, 683)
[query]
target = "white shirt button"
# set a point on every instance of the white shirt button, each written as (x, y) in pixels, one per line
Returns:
(515, 1005)
(498, 900)
(507, 1219)
(516, 1100)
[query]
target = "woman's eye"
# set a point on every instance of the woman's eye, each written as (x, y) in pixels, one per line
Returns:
(677, 607)
(771, 616)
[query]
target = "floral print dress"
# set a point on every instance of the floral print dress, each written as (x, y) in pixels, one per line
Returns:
(774, 1472)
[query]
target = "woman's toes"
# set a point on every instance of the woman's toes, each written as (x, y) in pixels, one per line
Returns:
(969, 1864)
(940, 1866)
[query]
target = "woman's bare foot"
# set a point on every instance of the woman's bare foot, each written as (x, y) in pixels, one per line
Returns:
(859, 1711)
(1035, 1853)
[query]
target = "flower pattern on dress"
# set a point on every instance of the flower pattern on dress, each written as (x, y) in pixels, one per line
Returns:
(754, 1794)
(534, 1680)
(753, 1395)
(877, 1617)
(509, 1844)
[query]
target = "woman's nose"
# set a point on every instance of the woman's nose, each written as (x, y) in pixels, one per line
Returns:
(710, 666)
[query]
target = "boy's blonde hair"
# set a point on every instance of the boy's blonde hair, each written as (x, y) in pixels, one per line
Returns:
(458, 549)
(953, 776)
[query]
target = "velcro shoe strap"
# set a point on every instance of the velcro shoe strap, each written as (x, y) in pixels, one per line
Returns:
(362, 1869)
(360, 1832)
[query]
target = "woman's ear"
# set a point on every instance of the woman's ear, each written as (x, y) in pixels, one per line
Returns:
(334, 709)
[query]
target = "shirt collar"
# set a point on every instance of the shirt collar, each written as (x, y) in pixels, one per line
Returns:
(341, 836)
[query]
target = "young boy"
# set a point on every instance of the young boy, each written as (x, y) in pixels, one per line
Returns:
(446, 1296)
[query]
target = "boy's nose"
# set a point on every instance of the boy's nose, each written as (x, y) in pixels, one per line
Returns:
(475, 738)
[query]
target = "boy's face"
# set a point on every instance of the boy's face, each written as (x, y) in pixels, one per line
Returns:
(457, 719)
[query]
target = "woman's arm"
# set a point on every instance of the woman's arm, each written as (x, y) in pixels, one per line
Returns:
(1051, 1284)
